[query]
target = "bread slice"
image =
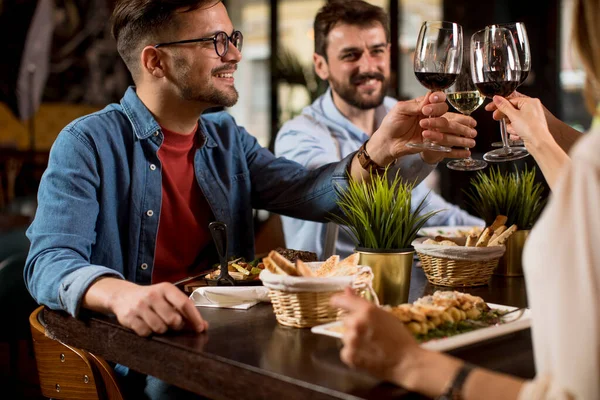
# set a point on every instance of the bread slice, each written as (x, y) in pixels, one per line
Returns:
(303, 269)
(328, 266)
(283, 263)
(272, 267)
(350, 261)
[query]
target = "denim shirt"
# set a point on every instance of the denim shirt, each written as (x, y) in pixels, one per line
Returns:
(100, 197)
(321, 135)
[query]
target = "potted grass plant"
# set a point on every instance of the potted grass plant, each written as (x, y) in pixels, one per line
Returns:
(519, 198)
(377, 214)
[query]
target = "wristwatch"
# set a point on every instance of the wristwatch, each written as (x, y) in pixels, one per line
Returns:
(365, 160)
(454, 391)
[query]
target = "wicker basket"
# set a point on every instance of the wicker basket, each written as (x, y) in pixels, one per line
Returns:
(304, 302)
(466, 266)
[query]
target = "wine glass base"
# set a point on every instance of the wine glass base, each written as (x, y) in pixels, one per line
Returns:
(511, 143)
(430, 147)
(467, 164)
(503, 155)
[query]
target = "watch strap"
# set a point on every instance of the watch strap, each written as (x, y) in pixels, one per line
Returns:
(455, 390)
(365, 160)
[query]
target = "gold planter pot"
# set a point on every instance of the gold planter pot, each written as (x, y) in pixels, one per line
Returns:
(391, 273)
(510, 264)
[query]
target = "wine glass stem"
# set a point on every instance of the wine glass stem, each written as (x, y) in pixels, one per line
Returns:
(504, 135)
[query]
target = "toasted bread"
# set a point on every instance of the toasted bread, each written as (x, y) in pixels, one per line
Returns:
(471, 240)
(484, 238)
(272, 267)
(350, 261)
(328, 266)
(304, 269)
(283, 263)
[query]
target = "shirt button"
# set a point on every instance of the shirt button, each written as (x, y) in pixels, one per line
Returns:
(152, 167)
(149, 213)
(144, 266)
(156, 133)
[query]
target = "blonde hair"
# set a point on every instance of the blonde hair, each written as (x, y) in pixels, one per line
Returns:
(586, 35)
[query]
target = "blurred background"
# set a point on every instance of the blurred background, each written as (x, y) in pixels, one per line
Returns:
(59, 62)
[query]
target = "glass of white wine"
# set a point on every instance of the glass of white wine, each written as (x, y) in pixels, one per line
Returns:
(465, 98)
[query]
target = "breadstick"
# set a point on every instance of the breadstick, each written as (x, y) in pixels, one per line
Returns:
(471, 240)
(440, 239)
(498, 232)
(500, 240)
(498, 222)
(484, 238)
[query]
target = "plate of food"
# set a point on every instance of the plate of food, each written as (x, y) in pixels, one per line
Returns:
(246, 273)
(448, 319)
(450, 231)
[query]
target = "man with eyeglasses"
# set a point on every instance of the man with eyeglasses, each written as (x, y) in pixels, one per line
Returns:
(129, 192)
(352, 53)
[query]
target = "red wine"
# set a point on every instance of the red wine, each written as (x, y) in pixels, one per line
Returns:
(524, 75)
(499, 88)
(435, 80)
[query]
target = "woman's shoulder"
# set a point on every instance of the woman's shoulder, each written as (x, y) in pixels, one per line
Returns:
(587, 148)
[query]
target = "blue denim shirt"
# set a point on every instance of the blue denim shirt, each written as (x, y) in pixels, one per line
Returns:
(321, 135)
(100, 197)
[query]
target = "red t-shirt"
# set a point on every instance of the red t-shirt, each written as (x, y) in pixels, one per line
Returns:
(184, 215)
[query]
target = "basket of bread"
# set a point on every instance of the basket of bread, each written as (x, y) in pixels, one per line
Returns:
(464, 261)
(300, 291)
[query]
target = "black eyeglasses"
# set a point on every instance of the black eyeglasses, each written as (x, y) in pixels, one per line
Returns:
(220, 40)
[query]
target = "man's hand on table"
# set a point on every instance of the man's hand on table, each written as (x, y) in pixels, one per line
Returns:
(409, 122)
(144, 309)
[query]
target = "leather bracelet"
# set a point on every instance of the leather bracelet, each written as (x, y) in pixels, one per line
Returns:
(454, 391)
(365, 160)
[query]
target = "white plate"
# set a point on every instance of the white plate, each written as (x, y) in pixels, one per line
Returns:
(334, 329)
(448, 231)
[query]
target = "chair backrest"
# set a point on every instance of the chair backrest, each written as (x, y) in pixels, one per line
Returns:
(66, 372)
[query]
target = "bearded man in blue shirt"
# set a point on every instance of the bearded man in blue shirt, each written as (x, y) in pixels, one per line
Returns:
(111, 181)
(352, 53)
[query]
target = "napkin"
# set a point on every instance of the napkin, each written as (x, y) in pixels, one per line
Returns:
(238, 297)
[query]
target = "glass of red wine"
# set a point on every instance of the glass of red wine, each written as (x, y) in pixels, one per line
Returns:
(496, 70)
(520, 35)
(438, 58)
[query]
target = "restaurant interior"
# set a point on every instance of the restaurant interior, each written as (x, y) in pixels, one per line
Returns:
(60, 62)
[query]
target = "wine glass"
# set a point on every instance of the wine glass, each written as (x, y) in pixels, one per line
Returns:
(520, 36)
(496, 70)
(438, 58)
(465, 98)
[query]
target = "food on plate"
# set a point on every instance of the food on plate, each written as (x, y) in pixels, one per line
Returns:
(240, 270)
(280, 265)
(293, 255)
(494, 235)
(446, 313)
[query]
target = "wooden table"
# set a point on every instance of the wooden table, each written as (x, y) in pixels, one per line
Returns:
(246, 354)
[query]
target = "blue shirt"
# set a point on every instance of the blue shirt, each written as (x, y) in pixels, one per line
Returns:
(321, 135)
(100, 197)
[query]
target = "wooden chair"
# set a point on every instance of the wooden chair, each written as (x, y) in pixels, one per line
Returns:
(66, 372)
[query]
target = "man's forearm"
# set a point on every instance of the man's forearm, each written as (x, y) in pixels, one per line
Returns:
(101, 294)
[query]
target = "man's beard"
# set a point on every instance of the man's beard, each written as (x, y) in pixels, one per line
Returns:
(349, 93)
(207, 92)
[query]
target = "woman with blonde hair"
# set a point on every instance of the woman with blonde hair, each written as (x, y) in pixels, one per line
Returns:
(562, 280)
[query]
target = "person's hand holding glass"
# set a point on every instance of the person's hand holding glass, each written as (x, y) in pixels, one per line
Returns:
(437, 63)
(496, 70)
(465, 98)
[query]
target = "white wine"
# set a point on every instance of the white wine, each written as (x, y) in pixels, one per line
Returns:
(465, 102)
